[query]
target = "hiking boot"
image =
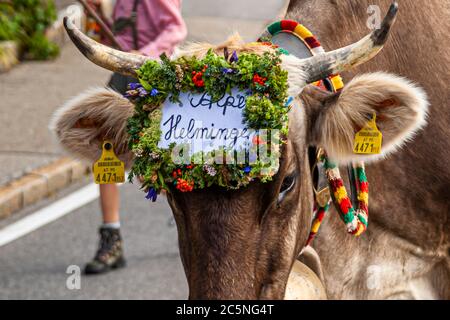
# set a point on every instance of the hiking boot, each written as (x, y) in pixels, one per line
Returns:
(109, 254)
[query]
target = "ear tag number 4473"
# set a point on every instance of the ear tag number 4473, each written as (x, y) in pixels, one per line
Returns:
(108, 169)
(368, 140)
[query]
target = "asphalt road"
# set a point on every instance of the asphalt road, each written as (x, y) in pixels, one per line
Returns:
(34, 266)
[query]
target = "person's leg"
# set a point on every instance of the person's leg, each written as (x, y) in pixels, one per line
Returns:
(110, 202)
(110, 253)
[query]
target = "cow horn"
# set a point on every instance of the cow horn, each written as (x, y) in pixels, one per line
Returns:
(333, 62)
(114, 60)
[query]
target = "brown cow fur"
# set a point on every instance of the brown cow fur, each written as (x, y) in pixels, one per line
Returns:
(405, 252)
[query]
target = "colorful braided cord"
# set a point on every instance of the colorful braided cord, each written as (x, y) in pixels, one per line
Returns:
(319, 214)
(356, 220)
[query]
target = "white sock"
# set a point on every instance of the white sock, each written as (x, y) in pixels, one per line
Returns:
(111, 225)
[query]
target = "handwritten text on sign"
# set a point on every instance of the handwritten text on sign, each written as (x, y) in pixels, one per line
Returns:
(204, 124)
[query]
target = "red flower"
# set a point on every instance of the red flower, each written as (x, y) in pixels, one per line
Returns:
(197, 77)
(184, 185)
(257, 79)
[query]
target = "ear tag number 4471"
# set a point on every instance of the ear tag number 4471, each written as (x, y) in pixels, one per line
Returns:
(108, 169)
(368, 140)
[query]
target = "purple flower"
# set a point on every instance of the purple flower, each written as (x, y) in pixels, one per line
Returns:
(151, 195)
(134, 85)
(142, 92)
(247, 169)
(154, 92)
(210, 170)
(227, 71)
(234, 57)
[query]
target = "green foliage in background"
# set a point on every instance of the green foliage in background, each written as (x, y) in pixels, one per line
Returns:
(26, 21)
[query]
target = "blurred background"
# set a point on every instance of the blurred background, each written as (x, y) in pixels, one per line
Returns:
(39, 70)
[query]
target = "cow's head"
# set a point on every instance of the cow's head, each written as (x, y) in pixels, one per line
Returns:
(242, 244)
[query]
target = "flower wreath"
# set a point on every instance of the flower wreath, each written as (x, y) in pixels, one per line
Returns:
(267, 107)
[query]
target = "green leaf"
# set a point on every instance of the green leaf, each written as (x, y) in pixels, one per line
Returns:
(145, 84)
(161, 180)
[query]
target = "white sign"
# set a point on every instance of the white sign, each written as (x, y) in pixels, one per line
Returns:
(206, 125)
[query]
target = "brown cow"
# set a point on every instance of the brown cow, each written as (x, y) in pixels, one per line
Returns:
(406, 251)
(242, 244)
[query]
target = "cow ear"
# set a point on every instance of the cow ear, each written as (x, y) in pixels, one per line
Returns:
(399, 105)
(84, 122)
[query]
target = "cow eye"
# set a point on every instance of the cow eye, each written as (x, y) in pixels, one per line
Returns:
(287, 185)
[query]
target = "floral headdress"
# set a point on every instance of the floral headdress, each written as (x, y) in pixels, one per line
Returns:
(266, 107)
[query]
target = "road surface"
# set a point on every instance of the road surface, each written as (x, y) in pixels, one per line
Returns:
(34, 266)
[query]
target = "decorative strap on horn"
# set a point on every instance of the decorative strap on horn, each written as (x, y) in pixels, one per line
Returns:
(310, 41)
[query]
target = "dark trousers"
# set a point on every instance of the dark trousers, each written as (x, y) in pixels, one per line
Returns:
(120, 83)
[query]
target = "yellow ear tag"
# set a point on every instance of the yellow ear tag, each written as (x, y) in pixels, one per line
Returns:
(368, 140)
(108, 169)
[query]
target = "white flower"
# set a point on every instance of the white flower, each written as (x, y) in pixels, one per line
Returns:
(153, 155)
(138, 152)
(210, 170)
